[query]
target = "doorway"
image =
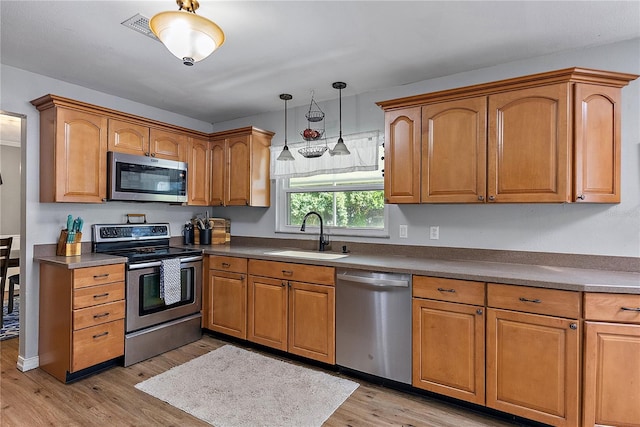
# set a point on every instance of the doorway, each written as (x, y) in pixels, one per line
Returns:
(12, 132)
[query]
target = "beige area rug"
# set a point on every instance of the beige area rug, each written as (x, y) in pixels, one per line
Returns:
(234, 387)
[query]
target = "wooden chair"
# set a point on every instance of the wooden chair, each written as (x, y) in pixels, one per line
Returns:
(5, 254)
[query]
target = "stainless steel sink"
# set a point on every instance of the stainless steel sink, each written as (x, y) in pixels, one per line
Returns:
(307, 254)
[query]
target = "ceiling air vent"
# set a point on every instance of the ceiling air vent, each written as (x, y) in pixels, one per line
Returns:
(140, 24)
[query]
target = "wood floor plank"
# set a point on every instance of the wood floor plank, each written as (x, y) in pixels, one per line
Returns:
(35, 398)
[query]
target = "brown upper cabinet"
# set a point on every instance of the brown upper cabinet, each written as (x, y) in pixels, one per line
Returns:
(136, 139)
(73, 153)
(240, 167)
(549, 137)
(199, 178)
(228, 168)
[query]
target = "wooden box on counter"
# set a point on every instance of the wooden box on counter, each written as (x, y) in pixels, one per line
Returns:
(65, 248)
(220, 231)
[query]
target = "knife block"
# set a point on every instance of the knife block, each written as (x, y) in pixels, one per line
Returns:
(69, 249)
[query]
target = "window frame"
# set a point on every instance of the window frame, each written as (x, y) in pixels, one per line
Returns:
(282, 211)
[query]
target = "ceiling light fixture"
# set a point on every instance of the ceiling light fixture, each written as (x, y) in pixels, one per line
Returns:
(285, 154)
(188, 36)
(340, 149)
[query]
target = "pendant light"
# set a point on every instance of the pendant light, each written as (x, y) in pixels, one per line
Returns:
(285, 154)
(188, 36)
(340, 149)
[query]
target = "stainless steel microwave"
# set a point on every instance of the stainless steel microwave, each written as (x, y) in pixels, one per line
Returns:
(145, 179)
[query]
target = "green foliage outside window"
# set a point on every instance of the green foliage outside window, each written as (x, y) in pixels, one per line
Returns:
(363, 209)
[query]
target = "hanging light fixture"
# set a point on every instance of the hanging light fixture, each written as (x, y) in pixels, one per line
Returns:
(340, 149)
(188, 36)
(285, 154)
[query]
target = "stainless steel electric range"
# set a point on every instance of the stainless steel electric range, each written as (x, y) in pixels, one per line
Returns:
(151, 326)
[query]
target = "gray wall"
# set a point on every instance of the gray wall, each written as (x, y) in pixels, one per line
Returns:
(559, 228)
(10, 190)
(583, 229)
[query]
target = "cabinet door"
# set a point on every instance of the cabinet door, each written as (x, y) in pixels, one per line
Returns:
(312, 321)
(167, 145)
(81, 157)
(597, 144)
(402, 156)
(218, 175)
(199, 172)
(448, 349)
(227, 303)
(267, 312)
(533, 366)
(129, 138)
(454, 147)
(529, 146)
(611, 375)
(238, 171)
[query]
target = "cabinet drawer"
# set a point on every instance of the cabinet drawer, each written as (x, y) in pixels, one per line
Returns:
(97, 344)
(612, 307)
(462, 291)
(289, 271)
(226, 263)
(94, 295)
(92, 276)
(534, 300)
(98, 314)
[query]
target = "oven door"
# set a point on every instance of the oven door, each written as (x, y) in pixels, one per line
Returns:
(145, 308)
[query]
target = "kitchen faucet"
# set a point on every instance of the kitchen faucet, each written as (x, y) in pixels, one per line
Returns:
(323, 242)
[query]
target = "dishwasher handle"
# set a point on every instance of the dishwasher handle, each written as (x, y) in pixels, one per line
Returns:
(375, 281)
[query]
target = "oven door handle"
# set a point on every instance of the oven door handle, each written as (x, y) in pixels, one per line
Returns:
(150, 264)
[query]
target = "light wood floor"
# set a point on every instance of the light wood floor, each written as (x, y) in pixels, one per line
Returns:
(34, 398)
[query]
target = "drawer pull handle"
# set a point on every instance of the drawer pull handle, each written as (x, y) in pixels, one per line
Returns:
(226, 265)
(101, 276)
(98, 316)
(106, 294)
(447, 290)
(535, 301)
(101, 335)
(630, 309)
(287, 272)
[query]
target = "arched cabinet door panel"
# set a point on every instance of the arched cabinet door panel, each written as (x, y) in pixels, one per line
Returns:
(402, 156)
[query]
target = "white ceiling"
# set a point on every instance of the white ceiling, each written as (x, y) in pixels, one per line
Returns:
(295, 46)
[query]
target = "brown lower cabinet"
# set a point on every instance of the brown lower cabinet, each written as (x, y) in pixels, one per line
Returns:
(448, 337)
(226, 296)
(81, 318)
(291, 307)
(533, 358)
(611, 394)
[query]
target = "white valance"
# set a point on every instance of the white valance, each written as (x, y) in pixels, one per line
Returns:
(364, 157)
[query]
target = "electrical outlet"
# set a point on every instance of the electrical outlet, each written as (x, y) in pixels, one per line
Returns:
(403, 231)
(434, 232)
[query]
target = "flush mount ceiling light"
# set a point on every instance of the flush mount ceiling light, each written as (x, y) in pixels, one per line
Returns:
(188, 36)
(285, 154)
(340, 149)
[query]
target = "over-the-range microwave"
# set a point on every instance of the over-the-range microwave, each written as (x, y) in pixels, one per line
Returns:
(145, 179)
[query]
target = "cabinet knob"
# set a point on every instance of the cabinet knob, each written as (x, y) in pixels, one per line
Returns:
(580, 197)
(153, 154)
(479, 311)
(492, 198)
(481, 198)
(573, 326)
(146, 154)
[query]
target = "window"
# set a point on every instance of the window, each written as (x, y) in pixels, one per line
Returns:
(350, 203)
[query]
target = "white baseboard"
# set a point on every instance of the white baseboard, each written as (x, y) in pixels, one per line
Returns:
(28, 364)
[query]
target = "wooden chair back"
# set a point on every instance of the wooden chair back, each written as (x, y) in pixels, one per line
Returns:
(5, 253)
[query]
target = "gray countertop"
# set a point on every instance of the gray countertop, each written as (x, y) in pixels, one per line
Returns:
(566, 278)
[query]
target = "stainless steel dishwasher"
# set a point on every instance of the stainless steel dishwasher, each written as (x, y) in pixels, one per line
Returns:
(373, 323)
